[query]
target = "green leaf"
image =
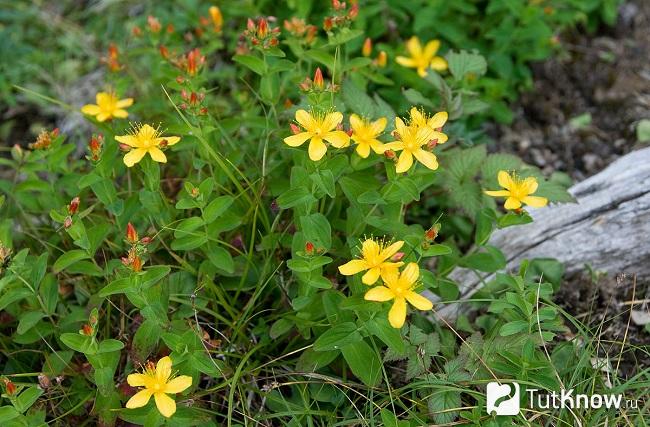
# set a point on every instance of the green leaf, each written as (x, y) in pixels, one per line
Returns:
(8, 413)
(27, 398)
(153, 275)
(513, 327)
(357, 100)
(254, 63)
(280, 327)
(220, 258)
(343, 35)
(321, 56)
(216, 208)
(316, 229)
(416, 98)
(512, 218)
(110, 345)
(146, 338)
(28, 321)
(363, 361)
(381, 328)
(489, 261)
(118, 286)
(338, 336)
(440, 403)
(464, 63)
(80, 343)
(295, 197)
(69, 258)
(643, 130)
(435, 250)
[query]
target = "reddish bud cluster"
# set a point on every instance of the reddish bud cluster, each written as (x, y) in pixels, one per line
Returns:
(190, 63)
(298, 28)
(154, 24)
(10, 387)
(112, 59)
(258, 34)
(95, 147)
(193, 101)
(44, 139)
(431, 234)
(317, 84)
(342, 17)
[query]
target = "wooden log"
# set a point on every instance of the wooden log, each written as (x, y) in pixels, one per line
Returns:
(608, 228)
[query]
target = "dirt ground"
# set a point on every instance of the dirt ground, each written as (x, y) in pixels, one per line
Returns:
(606, 75)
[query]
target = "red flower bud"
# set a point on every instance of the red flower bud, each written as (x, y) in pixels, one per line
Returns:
(73, 206)
(10, 387)
(390, 154)
(354, 11)
(136, 265)
(294, 128)
(367, 47)
(86, 329)
(318, 79)
(309, 248)
(328, 24)
(145, 240)
(397, 257)
(67, 222)
(164, 52)
(131, 234)
(262, 28)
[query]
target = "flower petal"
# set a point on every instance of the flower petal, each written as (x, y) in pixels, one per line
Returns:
(405, 162)
(431, 48)
(178, 384)
(414, 47)
(363, 150)
(378, 126)
(164, 368)
(305, 120)
(397, 313)
(416, 116)
(139, 399)
(369, 249)
(406, 62)
(505, 180)
(512, 203)
(102, 117)
(123, 103)
(390, 272)
(157, 154)
(134, 156)
(120, 114)
(165, 404)
(371, 276)
(91, 109)
(427, 158)
(337, 138)
(297, 139)
(439, 63)
(317, 149)
(400, 126)
(497, 193)
(422, 72)
(535, 201)
(170, 140)
(410, 273)
(529, 185)
(353, 267)
(441, 137)
(379, 293)
(129, 140)
(103, 98)
(136, 380)
(395, 146)
(391, 250)
(418, 301)
(438, 120)
(356, 123)
(332, 120)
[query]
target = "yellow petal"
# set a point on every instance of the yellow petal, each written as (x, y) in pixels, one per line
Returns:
(535, 201)
(414, 47)
(505, 180)
(424, 135)
(102, 117)
(139, 399)
(90, 109)
(427, 158)
(391, 250)
(422, 72)
(332, 120)
(165, 404)
(529, 185)
(353, 267)
(371, 276)
(337, 138)
(317, 149)
(369, 249)
(439, 64)
(410, 273)
(378, 126)
(363, 150)
(136, 380)
(441, 137)
(123, 103)
(170, 140)
(103, 98)
(377, 146)
(164, 368)
(129, 140)
(147, 131)
(512, 203)
(438, 120)
(356, 123)
(120, 114)
(397, 313)
(297, 139)
(157, 154)
(406, 62)
(178, 384)
(497, 193)
(395, 146)
(418, 301)
(305, 120)
(380, 294)
(134, 156)
(400, 126)
(431, 48)
(405, 162)
(390, 272)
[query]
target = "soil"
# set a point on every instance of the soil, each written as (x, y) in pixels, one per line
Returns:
(605, 75)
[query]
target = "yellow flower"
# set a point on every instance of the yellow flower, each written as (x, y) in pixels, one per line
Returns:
(399, 287)
(411, 139)
(422, 59)
(157, 382)
(145, 139)
(318, 128)
(374, 256)
(365, 134)
(420, 119)
(108, 106)
(518, 191)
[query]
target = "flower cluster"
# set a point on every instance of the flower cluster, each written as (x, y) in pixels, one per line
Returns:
(414, 140)
(377, 262)
(133, 260)
(422, 59)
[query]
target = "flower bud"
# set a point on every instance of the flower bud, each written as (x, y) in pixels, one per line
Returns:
(164, 52)
(154, 24)
(294, 128)
(309, 248)
(382, 59)
(328, 23)
(390, 154)
(67, 222)
(318, 79)
(217, 18)
(145, 240)
(86, 329)
(44, 381)
(397, 257)
(131, 234)
(354, 11)
(262, 28)
(367, 47)
(136, 265)
(73, 206)
(10, 387)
